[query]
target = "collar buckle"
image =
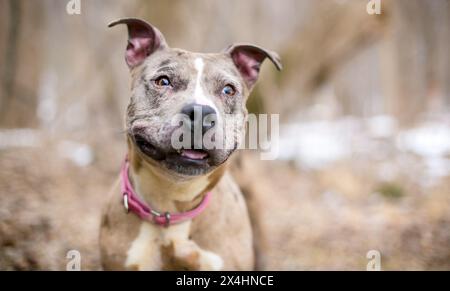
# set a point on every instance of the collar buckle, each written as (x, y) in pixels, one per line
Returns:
(165, 215)
(125, 202)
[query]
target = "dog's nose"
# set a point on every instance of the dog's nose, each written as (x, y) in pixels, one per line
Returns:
(201, 116)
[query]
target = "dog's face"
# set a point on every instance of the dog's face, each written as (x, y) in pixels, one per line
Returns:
(181, 100)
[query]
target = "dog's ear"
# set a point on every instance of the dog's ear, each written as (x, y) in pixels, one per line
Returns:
(248, 59)
(143, 40)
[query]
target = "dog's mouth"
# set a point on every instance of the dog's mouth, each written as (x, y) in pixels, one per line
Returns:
(196, 155)
(184, 161)
(189, 154)
(148, 149)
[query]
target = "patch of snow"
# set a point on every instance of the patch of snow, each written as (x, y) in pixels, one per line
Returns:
(315, 144)
(80, 154)
(430, 140)
(382, 126)
(23, 137)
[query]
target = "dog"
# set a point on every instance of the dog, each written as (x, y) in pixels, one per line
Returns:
(178, 208)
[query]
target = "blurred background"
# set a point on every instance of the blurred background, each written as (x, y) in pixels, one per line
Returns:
(365, 126)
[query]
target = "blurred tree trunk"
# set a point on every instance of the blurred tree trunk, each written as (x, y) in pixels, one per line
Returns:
(20, 59)
(315, 55)
(400, 58)
(10, 33)
(418, 39)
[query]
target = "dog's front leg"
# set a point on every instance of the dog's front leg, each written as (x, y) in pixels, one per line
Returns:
(179, 252)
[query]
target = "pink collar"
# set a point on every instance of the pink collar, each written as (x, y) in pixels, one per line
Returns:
(132, 202)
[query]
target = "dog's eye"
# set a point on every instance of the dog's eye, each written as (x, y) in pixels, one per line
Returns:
(229, 90)
(162, 81)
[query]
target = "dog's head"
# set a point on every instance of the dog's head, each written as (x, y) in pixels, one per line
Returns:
(182, 99)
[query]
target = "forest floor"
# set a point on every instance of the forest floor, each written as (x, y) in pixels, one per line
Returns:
(305, 219)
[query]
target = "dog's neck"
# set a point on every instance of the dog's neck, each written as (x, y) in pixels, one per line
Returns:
(167, 192)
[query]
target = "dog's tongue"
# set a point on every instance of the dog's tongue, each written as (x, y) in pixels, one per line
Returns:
(193, 154)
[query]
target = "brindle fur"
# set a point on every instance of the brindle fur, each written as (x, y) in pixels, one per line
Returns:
(220, 238)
